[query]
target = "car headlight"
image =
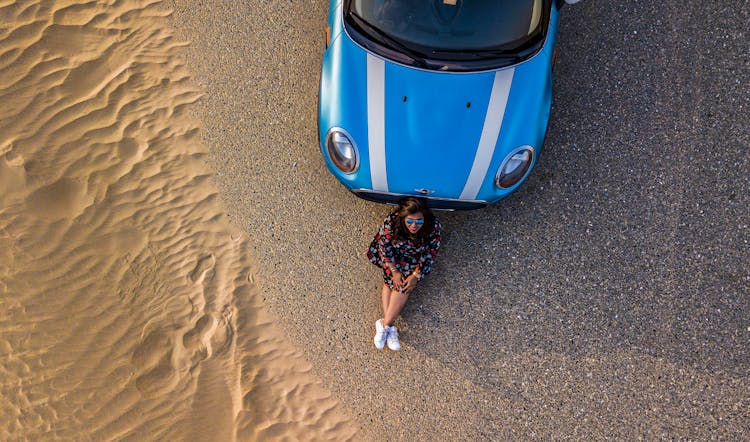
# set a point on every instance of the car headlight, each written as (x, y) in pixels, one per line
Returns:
(341, 150)
(514, 167)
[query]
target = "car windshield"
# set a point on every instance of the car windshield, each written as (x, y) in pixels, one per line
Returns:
(452, 26)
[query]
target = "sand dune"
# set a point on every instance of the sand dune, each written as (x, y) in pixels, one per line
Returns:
(128, 308)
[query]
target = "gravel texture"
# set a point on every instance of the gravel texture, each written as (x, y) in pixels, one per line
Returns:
(608, 298)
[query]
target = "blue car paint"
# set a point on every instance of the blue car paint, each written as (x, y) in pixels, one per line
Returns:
(527, 115)
(343, 81)
(335, 23)
(432, 136)
(433, 129)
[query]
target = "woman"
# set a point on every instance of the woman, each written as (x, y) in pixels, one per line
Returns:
(405, 248)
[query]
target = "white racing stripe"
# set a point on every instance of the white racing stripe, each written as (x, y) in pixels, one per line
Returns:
(493, 120)
(376, 122)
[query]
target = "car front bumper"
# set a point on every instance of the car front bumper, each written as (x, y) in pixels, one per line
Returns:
(434, 203)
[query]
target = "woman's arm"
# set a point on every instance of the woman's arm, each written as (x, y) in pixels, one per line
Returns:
(385, 248)
(382, 253)
(428, 256)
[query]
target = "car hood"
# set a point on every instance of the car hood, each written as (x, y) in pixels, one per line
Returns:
(427, 132)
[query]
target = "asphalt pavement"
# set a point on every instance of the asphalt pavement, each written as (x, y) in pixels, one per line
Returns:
(608, 298)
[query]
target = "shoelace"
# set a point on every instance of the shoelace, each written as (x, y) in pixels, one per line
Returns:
(392, 333)
(384, 333)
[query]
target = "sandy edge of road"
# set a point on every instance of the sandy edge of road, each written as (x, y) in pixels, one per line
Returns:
(128, 307)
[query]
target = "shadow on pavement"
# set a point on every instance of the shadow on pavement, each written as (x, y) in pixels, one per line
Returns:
(631, 235)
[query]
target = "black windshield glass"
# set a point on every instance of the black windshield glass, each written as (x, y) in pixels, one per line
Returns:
(454, 24)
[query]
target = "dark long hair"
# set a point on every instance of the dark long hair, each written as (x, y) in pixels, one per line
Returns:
(409, 206)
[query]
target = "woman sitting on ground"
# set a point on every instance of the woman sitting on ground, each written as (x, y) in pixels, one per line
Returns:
(405, 248)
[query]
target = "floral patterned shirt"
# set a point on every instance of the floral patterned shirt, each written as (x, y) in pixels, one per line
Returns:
(407, 256)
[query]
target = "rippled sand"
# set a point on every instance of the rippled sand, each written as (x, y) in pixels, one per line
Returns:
(128, 308)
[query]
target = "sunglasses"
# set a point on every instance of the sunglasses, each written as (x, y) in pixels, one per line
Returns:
(410, 221)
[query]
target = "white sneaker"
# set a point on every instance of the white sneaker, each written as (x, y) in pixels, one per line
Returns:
(392, 338)
(381, 334)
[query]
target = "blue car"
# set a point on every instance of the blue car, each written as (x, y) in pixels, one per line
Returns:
(443, 99)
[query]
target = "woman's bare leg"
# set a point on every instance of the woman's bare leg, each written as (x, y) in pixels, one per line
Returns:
(385, 296)
(396, 303)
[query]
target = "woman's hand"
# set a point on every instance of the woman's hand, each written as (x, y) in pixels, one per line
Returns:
(409, 284)
(398, 279)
